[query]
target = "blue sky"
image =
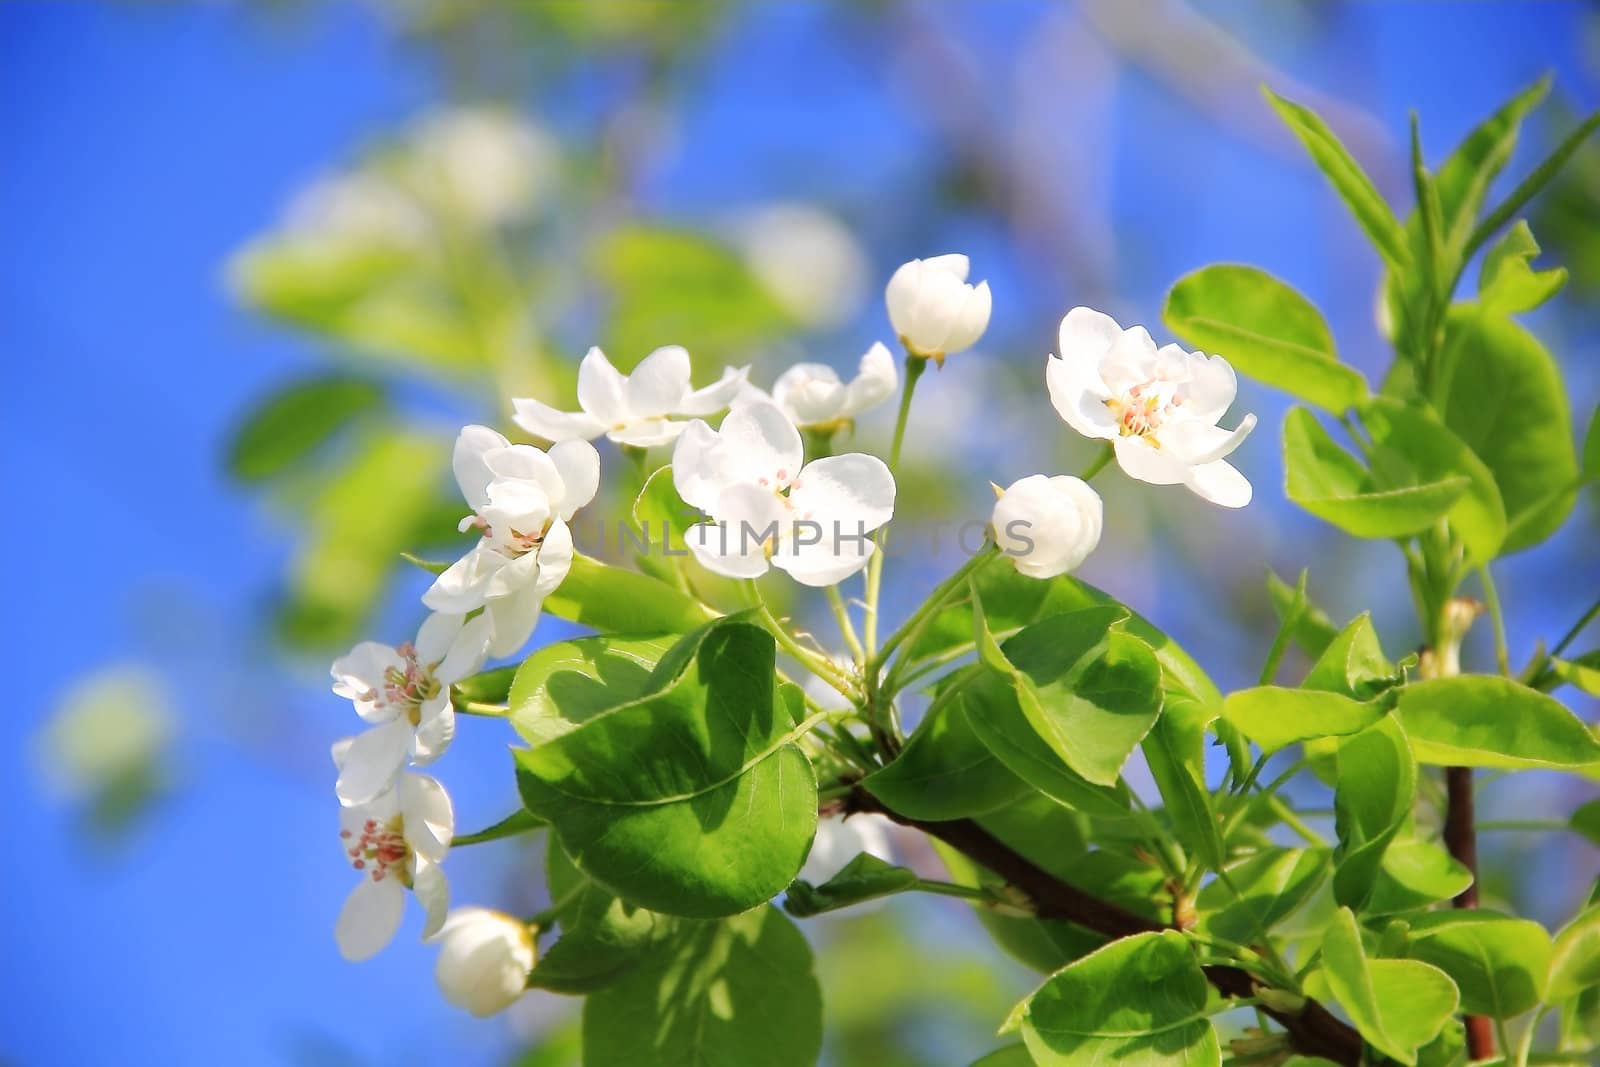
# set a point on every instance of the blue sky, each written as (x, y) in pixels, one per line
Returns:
(144, 143)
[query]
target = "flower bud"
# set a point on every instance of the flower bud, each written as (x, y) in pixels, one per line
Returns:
(1047, 526)
(933, 309)
(484, 960)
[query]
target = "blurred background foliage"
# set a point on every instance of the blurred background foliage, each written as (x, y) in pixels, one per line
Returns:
(492, 188)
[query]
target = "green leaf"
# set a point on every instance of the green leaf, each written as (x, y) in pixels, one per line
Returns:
(1397, 1005)
(1499, 963)
(730, 993)
(1010, 1056)
(1501, 393)
(292, 423)
(1586, 820)
(602, 937)
(1090, 692)
(661, 513)
(692, 799)
(565, 684)
(1349, 180)
(1416, 874)
(1583, 672)
(1486, 721)
(1274, 717)
(1267, 330)
(994, 713)
(1373, 794)
(1259, 892)
(1410, 446)
(1530, 186)
(1507, 282)
(1333, 485)
(1175, 751)
(624, 602)
(944, 771)
(355, 529)
(1352, 663)
(1312, 629)
(864, 878)
(486, 687)
(1142, 999)
(1591, 446)
(1575, 957)
(518, 822)
(1464, 179)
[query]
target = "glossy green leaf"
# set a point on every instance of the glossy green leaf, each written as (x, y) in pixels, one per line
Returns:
(1091, 693)
(1259, 892)
(294, 422)
(1410, 446)
(565, 684)
(1464, 177)
(728, 993)
(1397, 1005)
(486, 687)
(1142, 999)
(692, 799)
(1375, 787)
(1416, 874)
(1575, 957)
(661, 513)
(1507, 282)
(944, 771)
(1499, 963)
(1332, 484)
(1501, 393)
(624, 602)
(1266, 330)
(601, 937)
(1352, 663)
(1349, 180)
(1174, 749)
(518, 822)
(1274, 717)
(1529, 187)
(1487, 721)
(1582, 673)
(864, 878)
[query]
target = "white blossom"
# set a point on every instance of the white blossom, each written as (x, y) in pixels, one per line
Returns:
(522, 499)
(1159, 408)
(1047, 526)
(631, 409)
(486, 164)
(810, 261)
(359, 209)
(484, 960)
(395, 843)
(767, 506)
(404, 695)
(933, 309)
(814, 398)
(839, 840)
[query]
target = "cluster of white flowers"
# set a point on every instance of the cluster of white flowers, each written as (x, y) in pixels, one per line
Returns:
(764, 506)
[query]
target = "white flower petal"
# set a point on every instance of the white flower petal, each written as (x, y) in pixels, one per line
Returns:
(468, 650)
(579, 466)
(435, 636)
(1196, 442)
(544, 421)
(516, 575)
(524, 463)
(1047, 526)
(825, 563)
(435, 730)
(647, 433)
(810, 394)
(697, 472)
(433, 893)
(658, 384)
(429, 817)
(1219, 483)
(718, 395)
(372, 761)
(555, 558)
(1211, 387)
(515, 617)
(969, 321)
(850, 493)
(484, 960)
(460, 587)
(358, 676)
(369, 918)
(1087, 335)
(1079, 396)
(759, 444)
(602, 390)
(750, 523)
(877, 378)
(1139, 459)
(466, 461)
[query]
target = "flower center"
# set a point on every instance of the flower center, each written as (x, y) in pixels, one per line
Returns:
(380, 849)
(410, 686)
(514, 543)
(1142, 409)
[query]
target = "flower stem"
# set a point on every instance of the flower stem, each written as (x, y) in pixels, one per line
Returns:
(915, 366)
(478, 707)
(814, 663)
(847, 628)
(1491, 597)
(1099, 462)
(937, 599)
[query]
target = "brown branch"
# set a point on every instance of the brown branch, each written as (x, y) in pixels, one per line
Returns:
(1313, 1030)
(1461, 838)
